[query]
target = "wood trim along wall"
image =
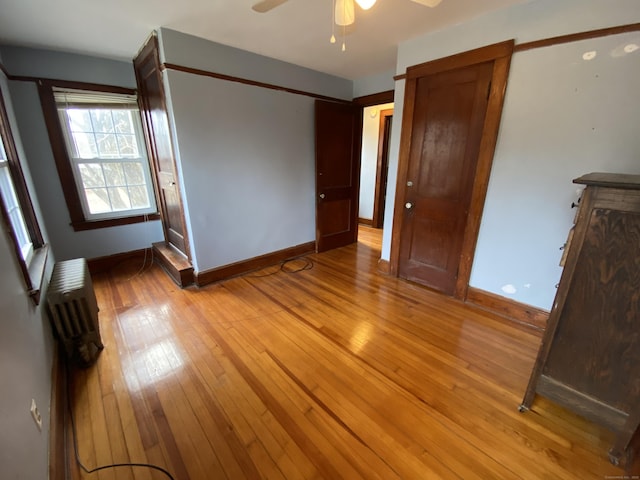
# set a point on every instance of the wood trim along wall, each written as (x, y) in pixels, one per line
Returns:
(57, 416)
(571, 37)
(500, 55)
(246, 266)
(246, 81)
(374, 99)
(528, 315)
(102, 264)
(365, 221)
(384, 266)
(576, 37)
(174, 263)
(469, 57)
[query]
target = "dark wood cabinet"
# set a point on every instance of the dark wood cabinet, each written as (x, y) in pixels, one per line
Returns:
(589, 360)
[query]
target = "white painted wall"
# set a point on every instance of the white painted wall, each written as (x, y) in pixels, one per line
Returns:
(563, 117)
(26, 347)
(65, 242)
(369, 158)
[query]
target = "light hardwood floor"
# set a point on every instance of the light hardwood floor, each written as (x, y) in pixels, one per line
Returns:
(332, 372)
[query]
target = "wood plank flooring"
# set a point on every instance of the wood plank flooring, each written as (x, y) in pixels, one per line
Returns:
(333, 372)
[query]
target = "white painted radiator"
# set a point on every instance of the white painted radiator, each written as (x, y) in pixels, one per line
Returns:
(74, 310)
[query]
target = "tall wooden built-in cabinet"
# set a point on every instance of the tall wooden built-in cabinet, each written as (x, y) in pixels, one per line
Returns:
(589, 360)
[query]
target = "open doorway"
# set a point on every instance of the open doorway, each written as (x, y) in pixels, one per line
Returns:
(374, 165)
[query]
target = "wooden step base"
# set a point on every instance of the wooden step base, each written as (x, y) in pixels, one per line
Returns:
(174, 263)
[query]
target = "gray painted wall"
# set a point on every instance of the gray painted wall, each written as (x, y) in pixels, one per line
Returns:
(563, 117)
(247, 168)
(65, 242)
(26, 347)
(189, 51)
(380, 82)
(245, 153)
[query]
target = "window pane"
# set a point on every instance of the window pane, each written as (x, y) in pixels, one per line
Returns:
(102, 121)
(85, 144)
(98, 200)
(139, 197)
(79, 120)
(107, 146)
(91, 174)
(123, 121)
(119, 198)
(128, 146)
(113, 174)
(133, 173)
(13, 209)
(116, 177)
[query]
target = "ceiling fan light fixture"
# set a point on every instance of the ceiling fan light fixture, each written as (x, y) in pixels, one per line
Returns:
(345, 12)
(366, 4)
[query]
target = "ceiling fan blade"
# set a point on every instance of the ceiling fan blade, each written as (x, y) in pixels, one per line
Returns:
(428, 3)
(266, 5)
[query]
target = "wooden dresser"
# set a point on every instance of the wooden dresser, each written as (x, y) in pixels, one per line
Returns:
(589, 360)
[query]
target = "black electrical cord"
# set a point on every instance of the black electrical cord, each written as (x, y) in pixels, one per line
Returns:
(308, 265)
(75, 442)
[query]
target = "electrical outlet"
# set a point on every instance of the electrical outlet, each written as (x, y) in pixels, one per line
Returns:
(35, 414)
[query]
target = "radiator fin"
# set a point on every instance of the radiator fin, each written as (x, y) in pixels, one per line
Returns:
(74, 310)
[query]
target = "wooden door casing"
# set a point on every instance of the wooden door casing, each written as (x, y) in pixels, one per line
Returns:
(499, 57)
(447, 125)
(382, 167)
(338, 139)
(158, 135)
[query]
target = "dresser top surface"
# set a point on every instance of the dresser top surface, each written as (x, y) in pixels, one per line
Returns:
(613, 180)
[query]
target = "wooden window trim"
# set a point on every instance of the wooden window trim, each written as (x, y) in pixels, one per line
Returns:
(33, 271)
(63, 163)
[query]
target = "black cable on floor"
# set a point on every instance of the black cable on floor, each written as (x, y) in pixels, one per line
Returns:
(308, 265)
(75, 442)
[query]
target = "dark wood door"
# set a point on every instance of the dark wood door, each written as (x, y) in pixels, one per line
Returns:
(338, 132)
(156, 125)
(448, 119)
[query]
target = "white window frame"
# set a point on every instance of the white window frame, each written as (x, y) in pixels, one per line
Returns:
(13, 208)
(94, 100)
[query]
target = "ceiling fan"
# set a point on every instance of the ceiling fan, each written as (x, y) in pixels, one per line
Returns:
(344, 9)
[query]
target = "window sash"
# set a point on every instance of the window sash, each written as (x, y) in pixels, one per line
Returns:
(13, 209)
(107, 199)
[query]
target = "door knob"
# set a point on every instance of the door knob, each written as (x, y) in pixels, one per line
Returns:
(322, 195)
(408, 205)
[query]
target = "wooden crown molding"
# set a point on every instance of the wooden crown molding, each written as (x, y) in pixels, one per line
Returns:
(246, 81)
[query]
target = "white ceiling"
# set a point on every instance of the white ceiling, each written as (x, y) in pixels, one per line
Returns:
(296, 32)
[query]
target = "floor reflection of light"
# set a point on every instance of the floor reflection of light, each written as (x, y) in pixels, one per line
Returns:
(360, 337)
(153, 364)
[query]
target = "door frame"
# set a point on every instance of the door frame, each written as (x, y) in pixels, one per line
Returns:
(382, 168)
(150, 52)
(500, 54)
(371, 101)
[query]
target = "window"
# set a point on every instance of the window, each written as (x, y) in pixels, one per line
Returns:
(12, 208)
(17, 211)
(100, 154)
